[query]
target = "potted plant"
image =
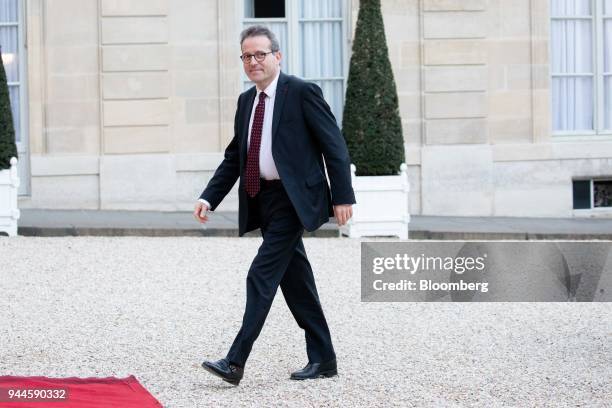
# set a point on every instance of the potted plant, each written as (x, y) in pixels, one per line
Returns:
(373, 131)
(9, 181)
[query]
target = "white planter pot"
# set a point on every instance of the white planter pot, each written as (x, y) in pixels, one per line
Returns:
(9, 213)
(382, 206)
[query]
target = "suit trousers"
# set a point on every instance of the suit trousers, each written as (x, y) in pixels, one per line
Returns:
(281, 260)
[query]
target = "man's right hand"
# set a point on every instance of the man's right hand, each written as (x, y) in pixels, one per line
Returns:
(200, 212)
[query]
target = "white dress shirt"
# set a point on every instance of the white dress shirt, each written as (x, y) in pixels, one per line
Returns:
(267, 168)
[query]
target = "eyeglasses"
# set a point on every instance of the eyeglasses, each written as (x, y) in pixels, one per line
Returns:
(259, 56)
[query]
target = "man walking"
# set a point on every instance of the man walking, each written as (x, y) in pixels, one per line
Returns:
(283, 129)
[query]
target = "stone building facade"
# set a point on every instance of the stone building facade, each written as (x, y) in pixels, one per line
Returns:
(129, 103)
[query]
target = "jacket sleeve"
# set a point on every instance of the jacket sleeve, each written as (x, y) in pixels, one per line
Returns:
(322, 124)
(227, 173)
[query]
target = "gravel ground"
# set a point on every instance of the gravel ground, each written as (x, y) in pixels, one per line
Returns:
(156, 307)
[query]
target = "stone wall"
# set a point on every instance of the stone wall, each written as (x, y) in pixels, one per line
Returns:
(131, 103)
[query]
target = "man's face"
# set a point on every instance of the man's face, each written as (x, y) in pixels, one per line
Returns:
(260, 72)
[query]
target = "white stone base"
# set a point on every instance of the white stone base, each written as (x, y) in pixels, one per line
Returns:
(382, 206)
(9, 213)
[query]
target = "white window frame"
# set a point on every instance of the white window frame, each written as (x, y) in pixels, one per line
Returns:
(599, 133)
(293, 25)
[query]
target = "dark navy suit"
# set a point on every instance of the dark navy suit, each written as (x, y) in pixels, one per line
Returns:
(304, 132)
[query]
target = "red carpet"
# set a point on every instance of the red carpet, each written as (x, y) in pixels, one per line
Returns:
(43, 392)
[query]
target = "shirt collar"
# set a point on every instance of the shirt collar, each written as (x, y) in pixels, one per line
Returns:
(271, 89)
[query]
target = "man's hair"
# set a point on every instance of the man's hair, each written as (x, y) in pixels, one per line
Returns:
(259, 30)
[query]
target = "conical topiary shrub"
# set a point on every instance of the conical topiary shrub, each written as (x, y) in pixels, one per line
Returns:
(371, 123)
(8, 148)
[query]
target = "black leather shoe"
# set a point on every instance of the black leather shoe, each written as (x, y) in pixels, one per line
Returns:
(224, 370)
(316, 370)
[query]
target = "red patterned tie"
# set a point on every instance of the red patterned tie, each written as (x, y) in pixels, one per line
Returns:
(252, 167)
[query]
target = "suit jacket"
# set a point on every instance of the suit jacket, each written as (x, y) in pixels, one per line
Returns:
(304, 131)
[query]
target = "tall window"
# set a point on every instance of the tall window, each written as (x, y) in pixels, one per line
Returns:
(312, 36)
(12, 48)
(581, 50)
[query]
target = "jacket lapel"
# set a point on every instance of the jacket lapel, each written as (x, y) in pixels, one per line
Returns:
(279, 100)
(244, 121)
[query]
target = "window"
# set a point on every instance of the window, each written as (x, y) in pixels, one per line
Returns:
(13, 54)
(581, 64)
(312, 36)
(592, 194)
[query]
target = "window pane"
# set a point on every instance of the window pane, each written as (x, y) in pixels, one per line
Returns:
(321, 9)
(608, 7)
(608, 102)
(8, 11)
(8, 44)
(249, 9)
(14, 95)
(572, 103)
(570, 8)
(321, 44)
(572, 46)
(322, 56)
(333, 92)
(264, 8)
(602, 194)
(582, 194)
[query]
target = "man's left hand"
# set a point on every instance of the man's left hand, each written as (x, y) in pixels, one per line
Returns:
(343, 212)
